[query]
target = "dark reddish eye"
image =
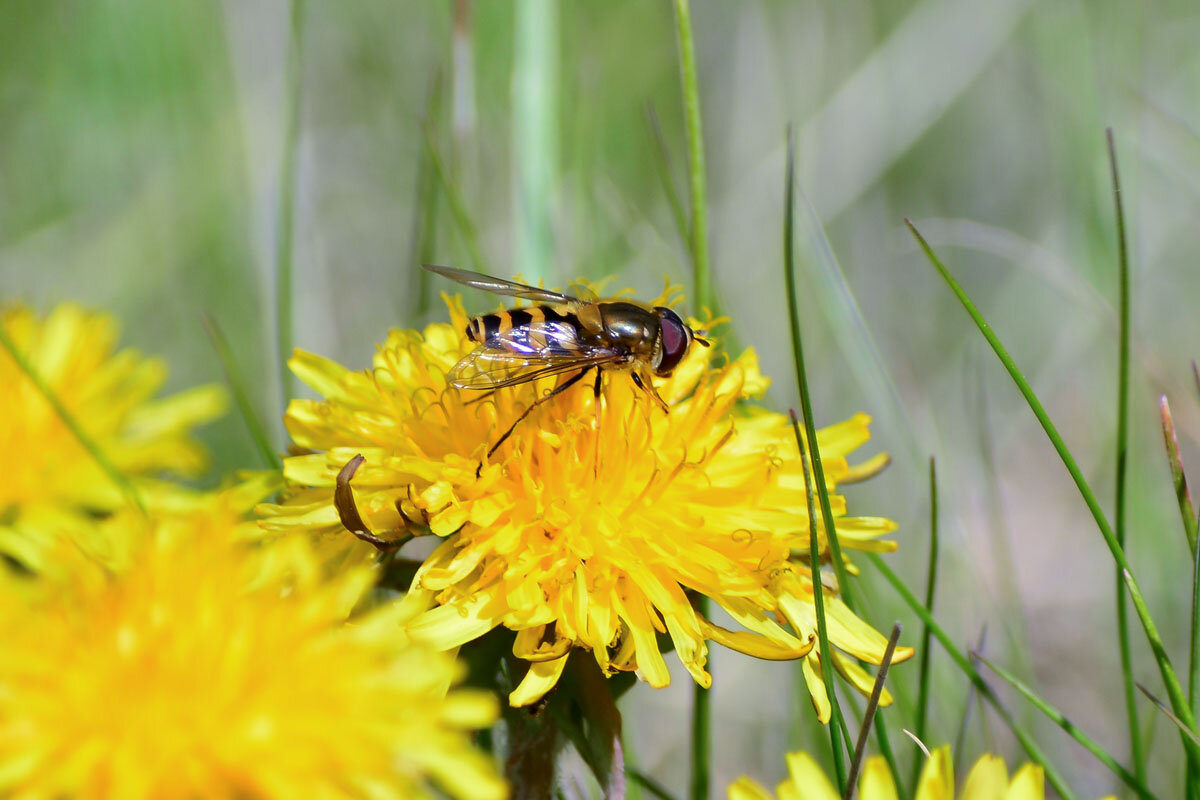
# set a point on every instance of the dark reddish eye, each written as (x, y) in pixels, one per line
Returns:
(675, 339)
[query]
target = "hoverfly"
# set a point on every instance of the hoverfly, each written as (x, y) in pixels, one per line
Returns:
(559, 334)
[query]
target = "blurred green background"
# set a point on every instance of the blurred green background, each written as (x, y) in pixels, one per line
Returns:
(144, 152)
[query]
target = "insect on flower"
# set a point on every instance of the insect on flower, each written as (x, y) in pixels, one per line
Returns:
(560, 334)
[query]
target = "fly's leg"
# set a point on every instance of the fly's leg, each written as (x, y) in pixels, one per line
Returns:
(596, 395)
(647, 387)
(562, 387)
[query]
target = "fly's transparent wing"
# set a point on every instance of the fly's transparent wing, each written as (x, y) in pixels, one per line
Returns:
(500, 285)
(527, 352)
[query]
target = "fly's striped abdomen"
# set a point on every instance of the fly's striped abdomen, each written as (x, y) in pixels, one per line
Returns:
(533, 320)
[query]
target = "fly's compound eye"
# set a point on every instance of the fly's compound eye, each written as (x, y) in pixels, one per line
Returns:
(675, 339)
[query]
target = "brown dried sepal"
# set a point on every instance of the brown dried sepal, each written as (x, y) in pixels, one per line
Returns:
(343, 501)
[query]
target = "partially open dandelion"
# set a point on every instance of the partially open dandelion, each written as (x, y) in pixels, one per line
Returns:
(589, 528)
(987, 780)
(208, 668)
(52, 485)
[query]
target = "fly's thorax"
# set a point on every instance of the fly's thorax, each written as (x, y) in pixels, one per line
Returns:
(633, 327)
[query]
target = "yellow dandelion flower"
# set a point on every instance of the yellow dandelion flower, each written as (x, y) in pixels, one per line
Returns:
(987, 780)
(588, 528)
(197, 673)
(52, 485)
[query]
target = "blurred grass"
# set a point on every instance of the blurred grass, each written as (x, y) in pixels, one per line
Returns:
(139, 158)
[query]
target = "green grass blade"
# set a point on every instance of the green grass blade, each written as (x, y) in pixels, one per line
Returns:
(1178, 723)
(930, 587)
(789, 270)
(240, 396)
(1139, 757)
(702, 288)
(535, 133)
(425, 214)
(94, 450)
(964, 720)
(649, 784)
(662, 159)
(1131, 780)
(981, 686)
(1170, 678)
(458, 209)
(287, 199)
(814, 555)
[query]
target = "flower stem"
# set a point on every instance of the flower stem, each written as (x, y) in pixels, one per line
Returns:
(1170, 678)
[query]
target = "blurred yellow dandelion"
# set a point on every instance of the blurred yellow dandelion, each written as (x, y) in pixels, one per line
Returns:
(195, 673)
(987, 780)
(52, 486)
(588, 528)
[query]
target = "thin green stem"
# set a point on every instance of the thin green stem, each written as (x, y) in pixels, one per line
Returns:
(814, 555)
(860, 745)
(1131, 780)
(287, 197)
(1139, 756)
(662, 160)
(930, 588)
(981, 686)
(702, 299)
(424, 227)
(1170, 678)
(701, 277)
(94, 450)
(458, 208)
(240, 396)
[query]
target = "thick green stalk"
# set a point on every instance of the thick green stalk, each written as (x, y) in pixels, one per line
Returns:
(814, 555)
(535, 133)
(1170, 678)
(981, 686)
(287, 198)
(701, 278)
(702, 298)
(1135, 741)
(119, 478)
